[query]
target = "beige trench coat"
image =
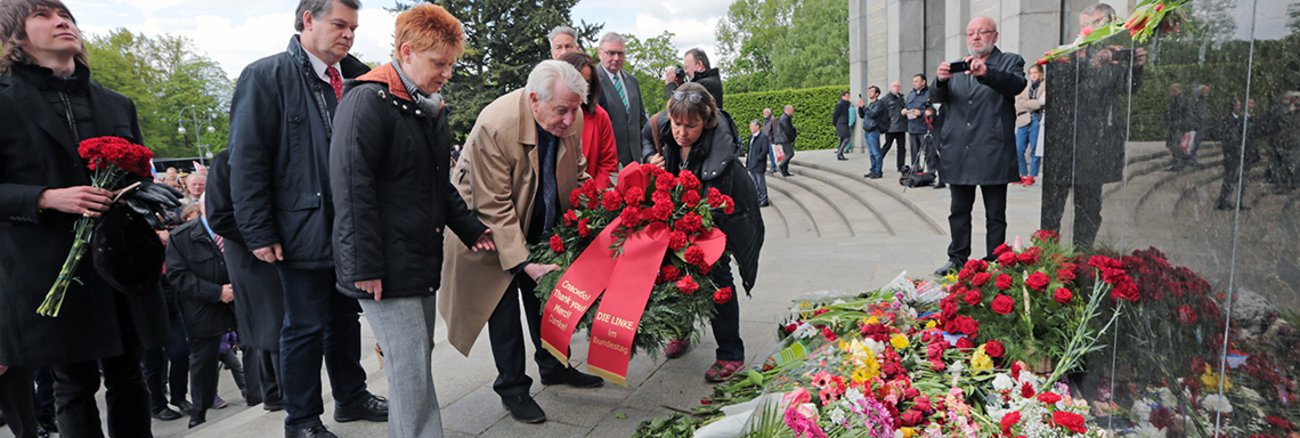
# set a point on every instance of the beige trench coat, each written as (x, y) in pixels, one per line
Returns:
(497, 176)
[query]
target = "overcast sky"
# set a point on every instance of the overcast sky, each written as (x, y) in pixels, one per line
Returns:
(237, 32)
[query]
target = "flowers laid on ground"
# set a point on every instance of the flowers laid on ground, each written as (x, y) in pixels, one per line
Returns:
(113, 162)
(652, 204)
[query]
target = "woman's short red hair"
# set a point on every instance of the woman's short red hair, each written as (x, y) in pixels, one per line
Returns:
(427, 27)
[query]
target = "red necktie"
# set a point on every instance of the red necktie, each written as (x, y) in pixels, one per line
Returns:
(336, 81)
(221, 243)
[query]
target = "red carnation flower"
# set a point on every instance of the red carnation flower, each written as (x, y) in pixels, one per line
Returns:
(1037, 281)
(669, 273)
(575, 198)
(689, 181)
(610, 200)
(557, 244)
(631, 216)
(728, 205)
(1003, 304)
(570, 217)
(634, 196)
(723, 295)
(1049, 397)
(1026, 390)
(980, 279)
(691, 198)
(1004, 282)
(715, 198)
(994, 349)
(1009, 421)
(1186, 314)
(676, 240)
(665, 181)
(1063, 295)
(695, 256)
(687, 285)
(829, 334)
(584, 227)
(691, 223)
(660, 212)
(1069, 420)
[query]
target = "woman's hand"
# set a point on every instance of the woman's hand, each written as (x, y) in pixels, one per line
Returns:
(484, 242)
(656, 160)
(83, 200)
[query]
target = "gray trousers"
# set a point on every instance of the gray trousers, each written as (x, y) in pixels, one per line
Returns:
(404, 327)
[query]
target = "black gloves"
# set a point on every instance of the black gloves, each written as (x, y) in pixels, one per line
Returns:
(157, 204)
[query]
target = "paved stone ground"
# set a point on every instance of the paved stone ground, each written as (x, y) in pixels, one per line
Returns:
(829, 231)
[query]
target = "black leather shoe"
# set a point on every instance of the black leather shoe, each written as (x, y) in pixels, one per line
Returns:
(310, 432)
(41, 432)
(371, 408)
(938, 186)
(48, 424)
(524, 409)
(574, 378)
(951, 266)
(273, 406)
(198, 418)
(184, 407)
(165, 414)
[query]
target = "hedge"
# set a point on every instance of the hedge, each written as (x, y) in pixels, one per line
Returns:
(812, 112)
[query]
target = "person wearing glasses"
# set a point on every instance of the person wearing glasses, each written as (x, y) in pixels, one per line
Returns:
(977, 142)
(687, 135)
(620, 96)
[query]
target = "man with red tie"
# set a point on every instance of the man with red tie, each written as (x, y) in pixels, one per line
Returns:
(280, 127)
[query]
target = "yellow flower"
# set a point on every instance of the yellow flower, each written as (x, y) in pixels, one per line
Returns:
(844, 345)
(931, 324)
(1210, 379)
(860, 375)
(873, 320)
(950, 278)
(908, 432)
(981, 361)
(898, 341)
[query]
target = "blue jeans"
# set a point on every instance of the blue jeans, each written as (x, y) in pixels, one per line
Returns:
(320, 324)
(760, 184)
(771, 156)
(873, 146)
(1027, 141)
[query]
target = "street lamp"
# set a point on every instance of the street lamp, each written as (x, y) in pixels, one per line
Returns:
(204, 153)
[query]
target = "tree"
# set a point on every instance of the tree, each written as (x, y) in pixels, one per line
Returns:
(504, 40)
(166, 78)
(772, 45)
(647, 59)
(746, 37)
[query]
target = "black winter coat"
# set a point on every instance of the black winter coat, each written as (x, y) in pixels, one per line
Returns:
(757, 147)
(893, 108)
(714, 163)
(38, 151)
(1086, 147)
(221, 211)
(840, 118)
(977, 142)
(710, 79)
(197, 271)
(392, 190)
(280, 121)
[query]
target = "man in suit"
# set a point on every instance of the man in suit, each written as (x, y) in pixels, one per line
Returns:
(621, 97)
(896, 128)
(755, 159)
(280, 128)
(784, 138)
(977, 141)
(538, 127)
(840, 118)
(196, 269)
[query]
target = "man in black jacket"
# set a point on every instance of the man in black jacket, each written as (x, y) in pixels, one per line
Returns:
(840, 118)
(259, 299)
(977, 145)
(696, 65)
(280, 129)
(197, 271)
(785, 137)
(756, 159)
(897, 127)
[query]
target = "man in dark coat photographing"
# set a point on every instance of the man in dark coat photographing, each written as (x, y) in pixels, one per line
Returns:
(977, 144)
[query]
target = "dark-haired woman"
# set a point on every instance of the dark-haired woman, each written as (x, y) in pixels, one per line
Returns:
(692, 135)
(597, 129)
(48, 105)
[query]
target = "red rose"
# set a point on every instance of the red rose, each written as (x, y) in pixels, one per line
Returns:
(977, 265)
(1009, 421)
(974, 297)
(557, 244)
(676, 240)
(687, 285)
(689, 181)
(1186, 314)
(980, 279)
(610, 200)
(1003, 248)
(791, 327)
(965, 274)
(1065, 275)
(994, 349)
(1004, 282)
(1047, 235)
(1029, 257)
(1049, 397)
(969, 326)
(1069, 420)
(912, 417)
(695, 256)
(691, 198)
(1063, 295)
(922, 403)
(965, 344)
(1003, 304)
(1007, 258)
(1037, 281)
(723, 295)
(948, 310)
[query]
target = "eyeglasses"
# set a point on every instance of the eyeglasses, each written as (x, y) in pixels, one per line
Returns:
(982, 32)
(694, 97)
(615, 53)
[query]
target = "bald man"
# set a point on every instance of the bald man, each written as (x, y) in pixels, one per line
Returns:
(977, 144)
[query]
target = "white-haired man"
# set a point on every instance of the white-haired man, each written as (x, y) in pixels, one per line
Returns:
(621, 97)
(538, 127)
(564, 40)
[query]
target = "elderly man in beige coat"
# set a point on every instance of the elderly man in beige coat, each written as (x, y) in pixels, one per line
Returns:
(521, 161)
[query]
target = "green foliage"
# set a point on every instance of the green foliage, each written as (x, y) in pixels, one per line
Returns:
(812, 112)
(767, 45)
(647, 59)
(504, 40)
(172, 85)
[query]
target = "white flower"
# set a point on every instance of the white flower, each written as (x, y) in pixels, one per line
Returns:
(1167, 397)
(1141, 410)
(1146, 430)
(1249, 394)
(837, 417)
(1217, 403)
(854, 395)
(875, 347)
(1003, 382)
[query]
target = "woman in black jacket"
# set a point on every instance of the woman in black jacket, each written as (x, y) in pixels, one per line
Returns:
(690, 137)
(393, 196)
(48, 104)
